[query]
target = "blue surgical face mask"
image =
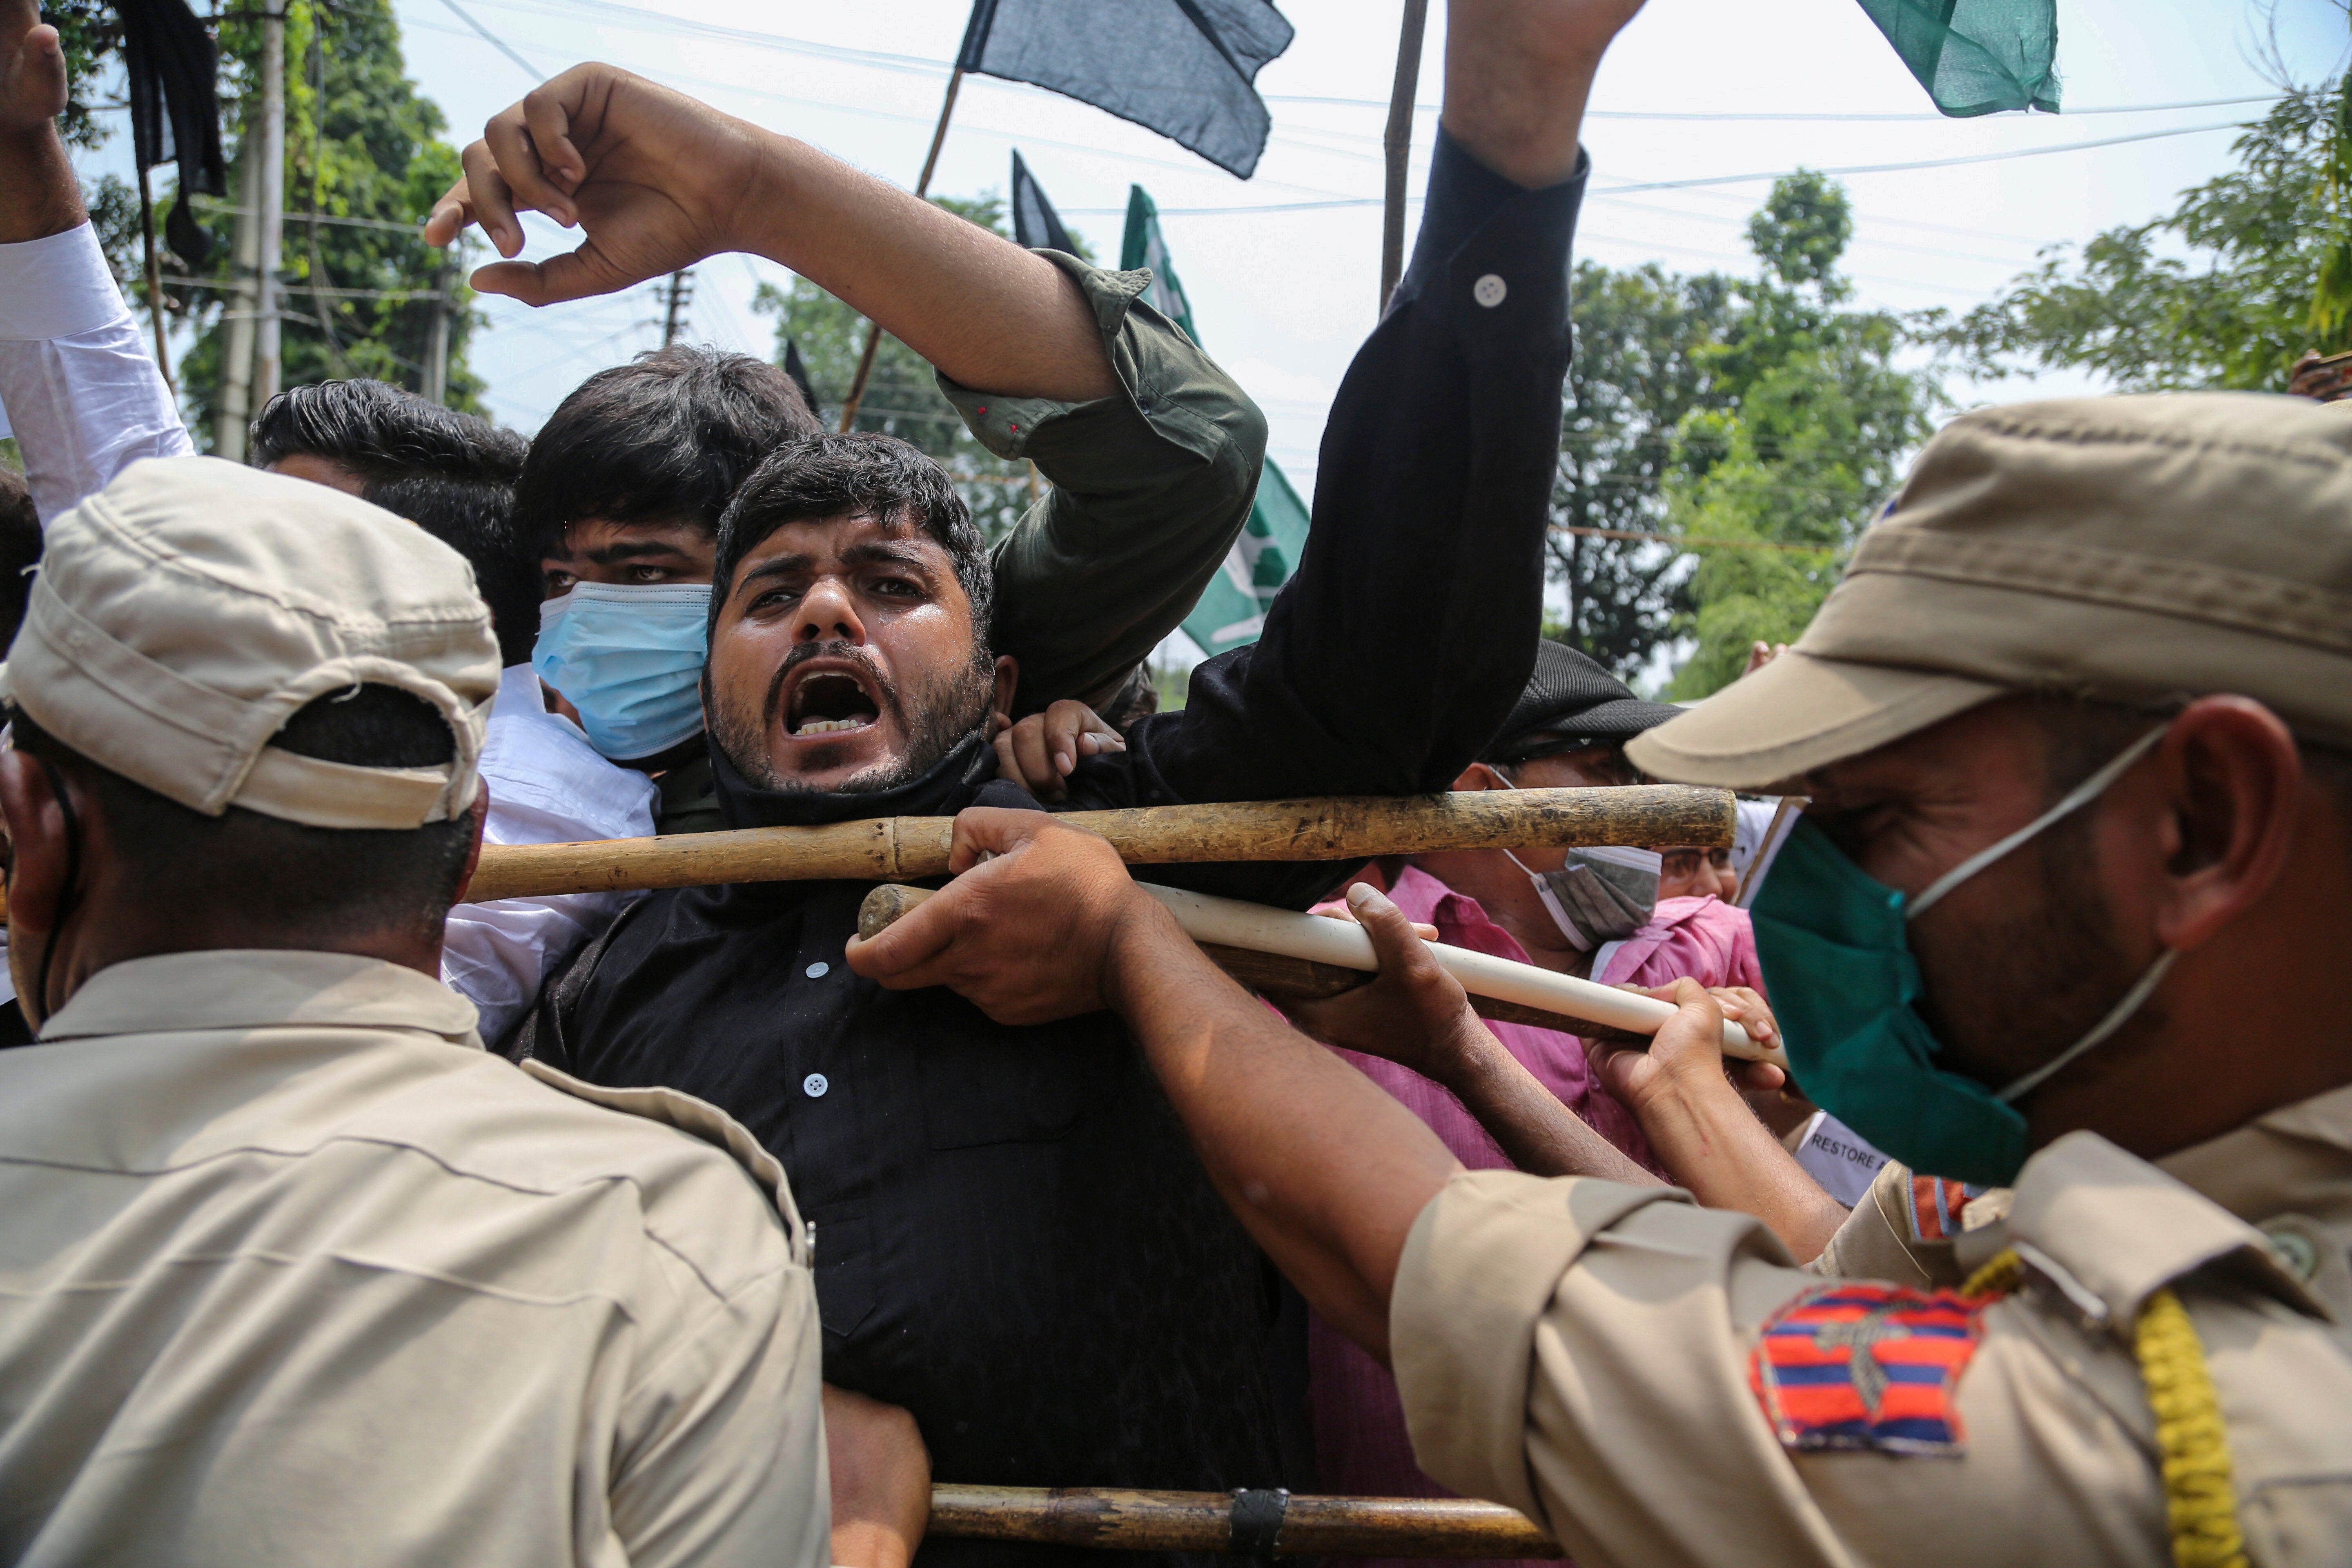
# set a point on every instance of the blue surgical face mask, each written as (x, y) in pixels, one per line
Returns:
(1845, 985)
(630, 659)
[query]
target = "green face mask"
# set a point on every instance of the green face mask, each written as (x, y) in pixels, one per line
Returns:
(1844, 988)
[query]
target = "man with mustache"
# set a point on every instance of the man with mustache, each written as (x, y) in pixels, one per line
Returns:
(2075, 730)
(1016, 1244)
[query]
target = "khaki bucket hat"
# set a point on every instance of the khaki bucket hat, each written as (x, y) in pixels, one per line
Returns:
(181, 615)
(2132, 549)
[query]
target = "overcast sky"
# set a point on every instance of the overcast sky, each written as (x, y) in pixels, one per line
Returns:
(1283, 298)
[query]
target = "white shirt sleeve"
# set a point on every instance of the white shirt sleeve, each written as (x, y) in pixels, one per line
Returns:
(78, 386)
(548, 786)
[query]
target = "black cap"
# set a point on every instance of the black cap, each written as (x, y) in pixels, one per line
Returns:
(1570, 696)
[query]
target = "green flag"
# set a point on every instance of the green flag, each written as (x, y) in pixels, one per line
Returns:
(1976, 57)
(1232, 610)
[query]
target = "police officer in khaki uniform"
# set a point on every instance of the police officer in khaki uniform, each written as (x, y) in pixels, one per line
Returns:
(2063, 916)
(291, 1269)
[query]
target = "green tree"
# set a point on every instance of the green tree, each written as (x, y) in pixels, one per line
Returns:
(2264, 278)
(1778, 486)
(902, 398)
(1639, 373)
(364, 159)
(1758, 418)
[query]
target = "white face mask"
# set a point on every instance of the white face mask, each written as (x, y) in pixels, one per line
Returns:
(1602, 894)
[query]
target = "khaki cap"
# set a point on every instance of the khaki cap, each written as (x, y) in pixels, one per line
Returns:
(2131, 549)
(182, 615)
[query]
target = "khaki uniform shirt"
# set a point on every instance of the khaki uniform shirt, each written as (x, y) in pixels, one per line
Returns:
(1589, 1354)
(293, 1272)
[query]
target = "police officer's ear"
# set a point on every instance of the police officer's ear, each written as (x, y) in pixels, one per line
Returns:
(37, 844)
(2235, 806)
(1481, 775)
(481, 816)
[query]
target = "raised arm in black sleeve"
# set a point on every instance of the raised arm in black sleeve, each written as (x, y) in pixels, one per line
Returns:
(1397, 648)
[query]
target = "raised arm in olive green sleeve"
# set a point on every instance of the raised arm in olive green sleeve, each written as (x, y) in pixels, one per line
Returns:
(1151, 487)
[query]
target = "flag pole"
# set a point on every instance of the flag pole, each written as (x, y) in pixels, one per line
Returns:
(922, 186)
(1397, 142)
(154, 284)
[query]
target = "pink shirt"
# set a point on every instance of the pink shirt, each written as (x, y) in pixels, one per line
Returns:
(1361, 1450)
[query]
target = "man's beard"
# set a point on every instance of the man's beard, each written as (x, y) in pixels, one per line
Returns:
(936, 718)
(2022, 992)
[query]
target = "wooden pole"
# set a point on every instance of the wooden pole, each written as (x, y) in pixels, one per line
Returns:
(154, 278)
(909, 848)
(1248, 1523)
(874, 328)
(1310, 954)
(1397, 144)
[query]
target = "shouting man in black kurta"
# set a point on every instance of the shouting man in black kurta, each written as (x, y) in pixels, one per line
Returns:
(1015, 1242)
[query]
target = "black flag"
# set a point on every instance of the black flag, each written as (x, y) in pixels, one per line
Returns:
(170, 64)
(1183, 67)
(1035, 225)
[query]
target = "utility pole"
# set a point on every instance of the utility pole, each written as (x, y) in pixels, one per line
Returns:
(236, 346)
(271, 202)
(681, 290)
(437, 344)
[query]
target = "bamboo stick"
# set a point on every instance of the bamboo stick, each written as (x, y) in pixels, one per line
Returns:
(909, 848)
(1117, 1519)
(1329, 946)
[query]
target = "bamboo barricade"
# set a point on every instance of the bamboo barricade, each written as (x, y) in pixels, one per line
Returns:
(1292, 956)
(1247, 1524)
(909, 848)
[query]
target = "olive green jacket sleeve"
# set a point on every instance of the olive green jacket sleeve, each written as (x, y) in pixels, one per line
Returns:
(1150, 488)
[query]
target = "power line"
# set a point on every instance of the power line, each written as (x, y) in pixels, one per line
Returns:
(1798, 114)
(1858, 238)
(676, 78)
(494, 40)
(1943, 163)
(1704, 179)
(1860, 216)
(963, 126)
(646, 18)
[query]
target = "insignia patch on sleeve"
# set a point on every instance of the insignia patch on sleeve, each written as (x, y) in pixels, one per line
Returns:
(1867, 1366)
(1935, 1206)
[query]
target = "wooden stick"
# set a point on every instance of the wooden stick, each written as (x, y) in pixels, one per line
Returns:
(907, 848)
(1396, 145)
(922, 186)
(1249, 1523)
(1332, 948)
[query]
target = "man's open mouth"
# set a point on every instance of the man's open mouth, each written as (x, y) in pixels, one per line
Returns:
(827, 703)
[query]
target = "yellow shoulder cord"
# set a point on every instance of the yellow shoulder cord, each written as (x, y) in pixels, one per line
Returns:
(2200, 1504)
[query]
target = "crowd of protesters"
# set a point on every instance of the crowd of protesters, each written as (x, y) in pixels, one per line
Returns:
(347, 1219)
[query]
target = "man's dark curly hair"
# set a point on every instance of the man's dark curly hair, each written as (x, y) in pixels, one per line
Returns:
(451, 474)
(669, 436)
(857, 472)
